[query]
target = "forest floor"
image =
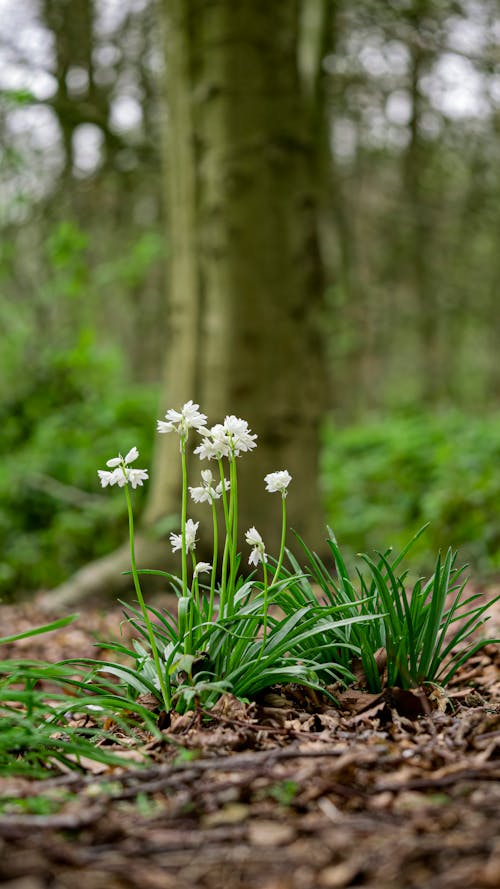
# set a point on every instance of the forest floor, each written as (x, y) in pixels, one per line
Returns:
(384, 791)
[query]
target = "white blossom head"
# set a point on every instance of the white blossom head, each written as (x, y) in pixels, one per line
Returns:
(176, 539)
(254, 540)
(214, 446)
(202, 568)
(278, 481)
(208, 491)
(182, 421)
(122, 474)
(238, 434)
(227, 439)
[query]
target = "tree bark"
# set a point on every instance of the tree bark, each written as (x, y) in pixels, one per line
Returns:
(245, 276)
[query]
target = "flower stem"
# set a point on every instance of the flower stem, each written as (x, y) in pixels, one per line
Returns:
(183, 516)
(224, 493)
(214, 561)
(234, 536)
(264, 622)
(194, 602)
(228, 516)
(142, 604)
(283, 539)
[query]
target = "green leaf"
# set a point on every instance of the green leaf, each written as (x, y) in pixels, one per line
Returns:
(36, 631)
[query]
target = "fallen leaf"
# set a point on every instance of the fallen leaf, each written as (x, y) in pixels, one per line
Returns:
(270, 833)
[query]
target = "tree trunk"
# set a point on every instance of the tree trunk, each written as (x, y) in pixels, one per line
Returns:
(245, 286)
(421, 223)
(245, 290)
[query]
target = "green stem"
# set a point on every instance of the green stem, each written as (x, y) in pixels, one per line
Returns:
(264, 622)
(224, 493)
(228, 515)
(196, 588)
(183, 517)
(142, 604)
(194, 602)
(283, 539)
(214, 560)
(234, 536)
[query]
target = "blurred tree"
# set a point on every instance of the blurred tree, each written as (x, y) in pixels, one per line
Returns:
(89, 163)
(245, 275)
(413, 107)
(245, 290)
(416, 161)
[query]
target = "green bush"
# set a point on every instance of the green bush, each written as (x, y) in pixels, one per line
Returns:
(59, 423)
(386, 478)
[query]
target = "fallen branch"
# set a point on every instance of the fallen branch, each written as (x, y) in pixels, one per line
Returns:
(105, 577)
(12, 825)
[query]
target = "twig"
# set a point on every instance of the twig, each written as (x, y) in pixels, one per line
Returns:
(61, 491)
(489, 772)
(13, 824)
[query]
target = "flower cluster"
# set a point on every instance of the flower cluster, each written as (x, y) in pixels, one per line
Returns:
(182, 421)
(258, 553)
(202, 568)
(121, 473)
(227, 439)
(176, 539)
(208, 491)
(278, 481)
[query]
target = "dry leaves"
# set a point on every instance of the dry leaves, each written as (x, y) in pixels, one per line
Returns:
(393, 791)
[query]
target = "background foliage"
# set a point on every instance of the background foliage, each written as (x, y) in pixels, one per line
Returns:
(410, 212)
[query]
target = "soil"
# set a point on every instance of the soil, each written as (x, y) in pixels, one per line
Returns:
(390, 791)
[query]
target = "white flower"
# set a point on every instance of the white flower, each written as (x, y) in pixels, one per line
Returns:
(176, 539)
(202, 568)
(182, 421)
(136, 476)
(110, 478)
(121, 473)
(211, 449)
(278, 481)
(129, 458)
(254, 540)
(226, 439)
(238, 434)
(207, 492)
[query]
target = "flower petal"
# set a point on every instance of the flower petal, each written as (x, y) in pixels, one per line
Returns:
(131, 456)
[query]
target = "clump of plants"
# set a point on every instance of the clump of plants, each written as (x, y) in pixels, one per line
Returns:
(331, 627)
(227, 637)
(224, 636)
(424, 629)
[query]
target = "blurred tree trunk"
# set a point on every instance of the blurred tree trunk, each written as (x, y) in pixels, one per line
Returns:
(416, 161)
(246, 286)
(245, 276)
(349, 316)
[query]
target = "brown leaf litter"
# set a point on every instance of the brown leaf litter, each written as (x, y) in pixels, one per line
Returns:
(388, 791)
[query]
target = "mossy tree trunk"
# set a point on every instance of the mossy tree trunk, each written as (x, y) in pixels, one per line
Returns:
(245, 278)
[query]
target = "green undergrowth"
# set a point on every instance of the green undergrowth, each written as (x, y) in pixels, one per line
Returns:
(53, 719)
(384, 477)
(55, 421)
(380, 478)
